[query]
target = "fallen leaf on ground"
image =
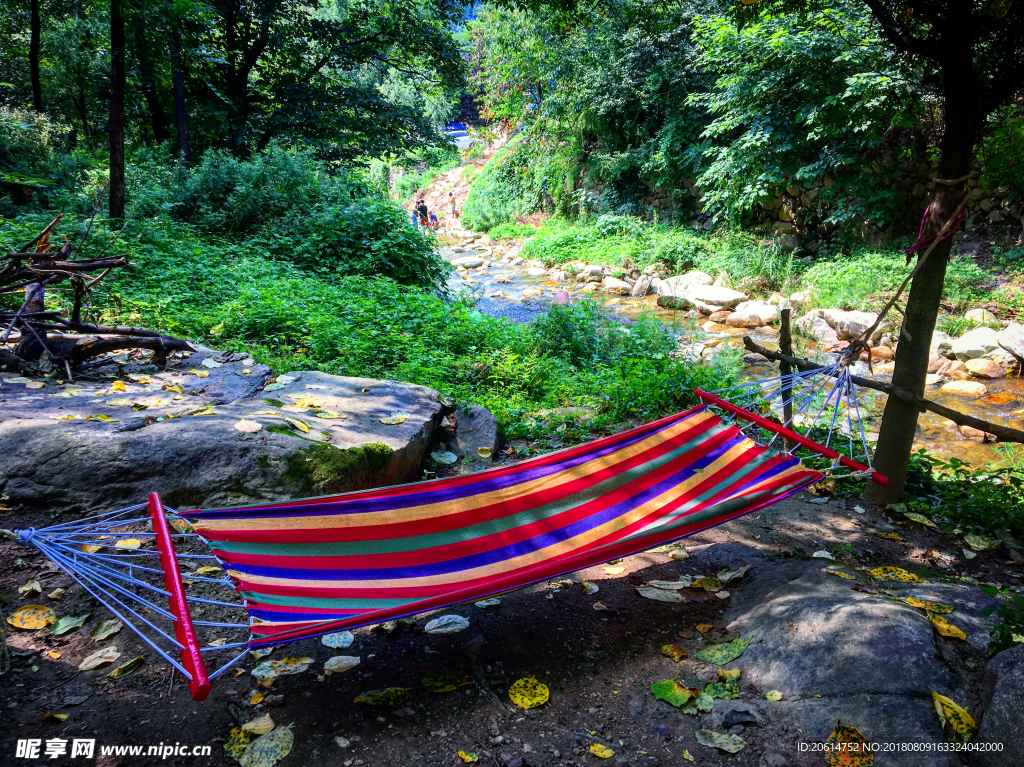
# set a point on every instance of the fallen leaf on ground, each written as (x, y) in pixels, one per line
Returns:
(339, 640)
(683, 583)
(728, 690)
(773, 695)
(839, 574)
(444, 682)
(32, 617)
(704, 628)
(849, 748)
(118, 386)
(729, 674)
(601, 752)
(589, 587)
(262, 652)
(397, 417)
(269, 749)
(390, 696)
(529, 693)
(484, 452)
(447, 624)
(727, 576)
(53, 655)
(297, 423)
(723, 594)
(341, 663)
(283, 667)
(492, 602)
(175, 389)
(968, 554)
(723, 653)
(31, 588)
(731, 744)
(673, 692)
(687, 755)
(328, 415)
(99, 658)
(444, 457)
(207, 570)
(211, 363)
(272, 387)
(287, 378)
(600, 606)
(679, 553)
(236, 743)
(206, 411)
(890, 536)
(260, 726)
(659, 595)
(106, 629)
(68, 623)
(126, 668)
(467, 757)
(247, 426)
(946, 628)
(932, 607)
(920, 519)
(673, 652)
(49, 717)
(977, 542)
(708, 583)
(823, 555)
(895, 574)
(614, 570)
(129, 543)
(957, 724)
(256, 698)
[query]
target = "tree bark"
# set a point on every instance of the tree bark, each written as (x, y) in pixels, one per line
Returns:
(83, 110)
(157, 116)
(117, 87)
(899, 421)
(33, 58)
(177, 77)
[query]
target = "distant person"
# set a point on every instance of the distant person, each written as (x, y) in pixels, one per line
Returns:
(415, 220)
(452, 205)
(434, 223)
(421, 209)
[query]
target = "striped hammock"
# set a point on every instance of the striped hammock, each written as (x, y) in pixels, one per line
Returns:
(317, 566)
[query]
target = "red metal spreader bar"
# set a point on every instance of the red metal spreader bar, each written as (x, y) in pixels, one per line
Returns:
(789, 434)
(191, 658)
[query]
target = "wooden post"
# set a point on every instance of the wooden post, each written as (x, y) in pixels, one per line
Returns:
(786, 347)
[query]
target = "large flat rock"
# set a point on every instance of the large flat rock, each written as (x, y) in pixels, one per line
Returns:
(197, 458)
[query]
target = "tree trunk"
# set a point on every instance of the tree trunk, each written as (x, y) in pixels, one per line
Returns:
(117, 86)
(157, 116)
(899, 421)
(33, 59)
(83, 110)
(180, 112)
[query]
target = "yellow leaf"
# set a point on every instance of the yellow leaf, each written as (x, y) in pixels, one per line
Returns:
(249, 427)
(673, 652)
(601, 752)
(528, 693)
(118, 386)
(269, 749)
(206, 411)
(467, 758)
(236, 743)
(102, 417)
(175, 389)
(260, 726)
(32, 617)
(729, 674)
(704, 628)
(48, 717)
(300, 425)
(614, 570)
(199, 373)
(895, 574)
(849, 748)
(957, 724)
(56, 593)
(31, 588)
(99, 658)
(932, 607)
(946, 628)
(920, 519)
(126, 668)
(890, 536)
(397, 417)
(687, 755)
(590, 588)
(257, 697)
(484, 452)
(129, 543)
(53, 655)
(773, 695)
(140, 378)
(977, 542)
(207, 570)
(328, 415)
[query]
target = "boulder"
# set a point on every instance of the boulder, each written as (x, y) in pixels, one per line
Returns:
(720, 317)
(707, 298)
(942, 345)
(723, 280)
(672, 291)
(656, 283)
(936, 363)
(203, 460)
(813, 325)
(558, 275)
(1003, 358)
(984, 368)
(641, 287)
(800, 300)
(1011, 338)
(1003, 720)
(765, 312)
(476, 435)
(616, 287)
(965, 388)
(467, 262)
(882, 353)
(850, 325)
(975, 343)
(982, 317)
(537, 271)
(736, 320)
(779, 300)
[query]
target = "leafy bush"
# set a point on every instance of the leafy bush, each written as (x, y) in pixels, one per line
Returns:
(37, 165)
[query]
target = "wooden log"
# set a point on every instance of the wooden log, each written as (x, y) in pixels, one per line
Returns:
(1003, 433)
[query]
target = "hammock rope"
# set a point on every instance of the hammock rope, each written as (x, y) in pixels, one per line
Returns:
(305, 568)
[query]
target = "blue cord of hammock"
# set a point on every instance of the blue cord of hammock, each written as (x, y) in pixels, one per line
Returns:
(120, 578)
(823, 397)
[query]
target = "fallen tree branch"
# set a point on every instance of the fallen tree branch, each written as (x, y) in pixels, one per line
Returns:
(1003, 433)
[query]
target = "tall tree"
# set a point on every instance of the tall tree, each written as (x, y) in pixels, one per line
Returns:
(34, 50)
(147, 79)
(116, 124)
(178, 83)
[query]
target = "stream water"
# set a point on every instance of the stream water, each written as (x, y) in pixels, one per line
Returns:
(498, 290)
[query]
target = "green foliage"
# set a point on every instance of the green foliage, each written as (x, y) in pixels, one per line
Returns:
(436, 162)
(1011, 618)
(36, 166)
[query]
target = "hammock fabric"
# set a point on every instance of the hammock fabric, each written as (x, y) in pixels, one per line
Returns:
(313, 567)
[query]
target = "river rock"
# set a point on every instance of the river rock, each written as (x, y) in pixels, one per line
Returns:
(723, 280)
(708, 299)
(1003, 720)
(765, 312)
(537, 271)
(942, 345)
(641, 287)
(984, 368)
(813, 324)
(936, 363)
(882, 353)
(735, 320)
(975, 343)
(476, 434)
(850, 325)
(672, 291)
(203, 461)
(965, 388)
(719, 317)
(558, 275)
(1011, 338)
(616, 287)
(467, 262)
(982, 317)
(800, 300)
